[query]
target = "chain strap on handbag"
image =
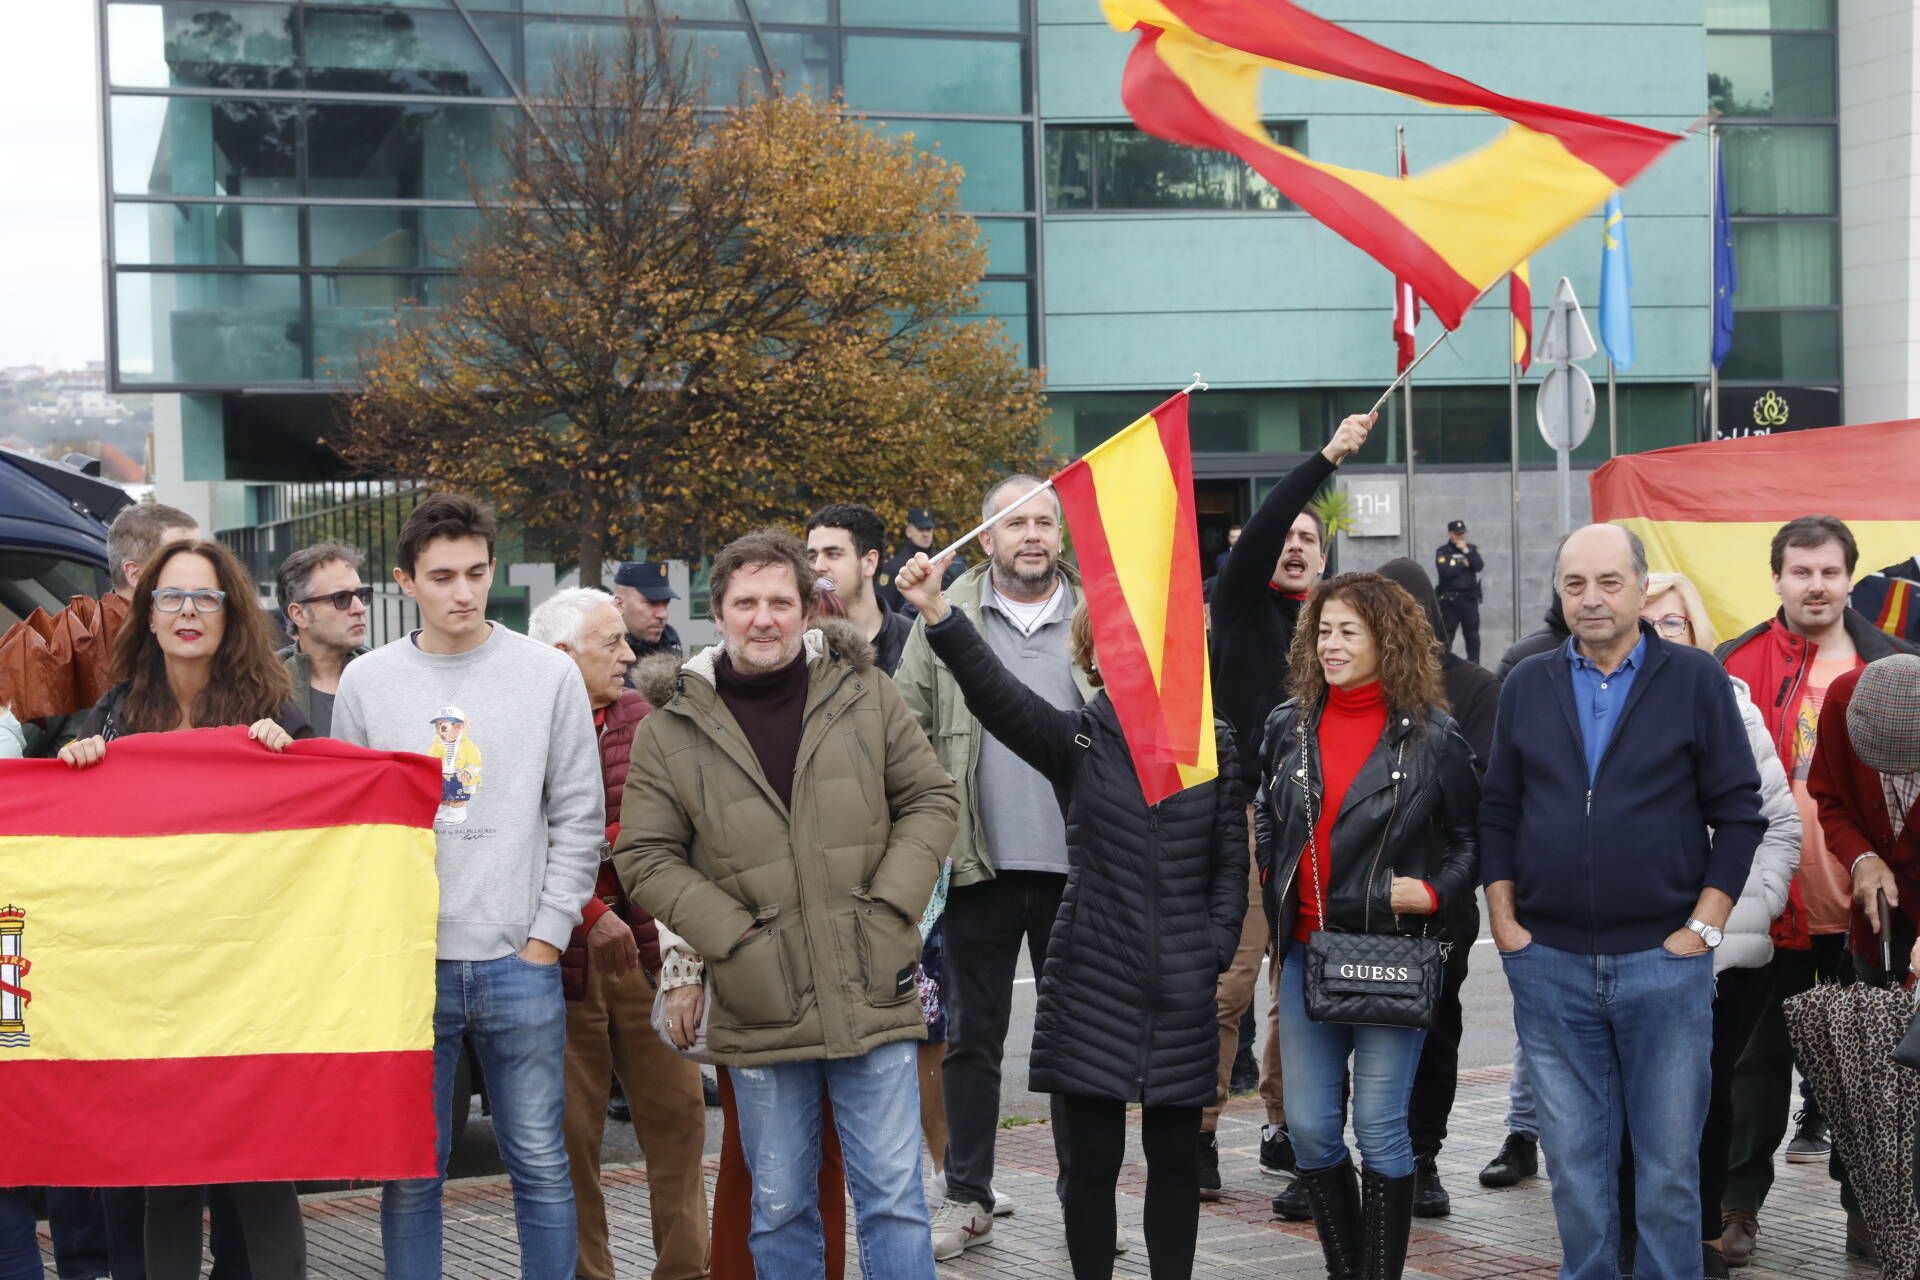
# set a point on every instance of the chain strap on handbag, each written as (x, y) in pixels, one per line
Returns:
(1367, 979)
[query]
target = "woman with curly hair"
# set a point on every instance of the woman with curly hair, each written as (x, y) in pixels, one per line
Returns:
(1365, 824)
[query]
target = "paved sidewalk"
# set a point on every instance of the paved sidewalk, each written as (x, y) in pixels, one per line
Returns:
(1505, 1234)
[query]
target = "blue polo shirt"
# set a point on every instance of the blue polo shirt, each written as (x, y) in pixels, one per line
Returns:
(1599, 697)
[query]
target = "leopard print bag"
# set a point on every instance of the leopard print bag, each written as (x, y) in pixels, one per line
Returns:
(1845, 1036)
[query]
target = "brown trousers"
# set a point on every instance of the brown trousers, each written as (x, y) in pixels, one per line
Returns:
(733, 1195)
(1235, 993)
(610, 1032)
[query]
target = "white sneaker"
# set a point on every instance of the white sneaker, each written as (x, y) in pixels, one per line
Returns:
(1002, 1207)
(958, 1227)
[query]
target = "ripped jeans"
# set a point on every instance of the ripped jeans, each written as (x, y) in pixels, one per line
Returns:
(876, 1107)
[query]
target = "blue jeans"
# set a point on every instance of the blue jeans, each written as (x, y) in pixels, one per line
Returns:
(1612, 1041)
(876, 1109)
(1313, 1068)
(19, 1239)
(1523, 1112)
(515, 1016)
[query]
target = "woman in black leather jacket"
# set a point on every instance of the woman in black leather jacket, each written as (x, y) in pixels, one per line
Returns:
(1364, 768)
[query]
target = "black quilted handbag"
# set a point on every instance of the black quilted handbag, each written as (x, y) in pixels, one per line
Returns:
(1368, 979)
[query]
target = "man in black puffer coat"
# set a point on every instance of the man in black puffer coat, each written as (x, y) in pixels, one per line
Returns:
(1150, 917)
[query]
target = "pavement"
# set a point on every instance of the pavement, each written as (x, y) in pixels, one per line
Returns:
(1508, 1234)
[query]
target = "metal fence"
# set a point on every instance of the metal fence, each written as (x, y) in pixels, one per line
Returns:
(360, 513)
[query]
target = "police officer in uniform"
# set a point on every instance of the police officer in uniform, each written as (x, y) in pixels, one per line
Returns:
(919, 538)
(641, 589)
(1457, 569)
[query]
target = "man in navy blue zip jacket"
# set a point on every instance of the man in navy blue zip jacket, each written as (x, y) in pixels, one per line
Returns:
(1619, 815)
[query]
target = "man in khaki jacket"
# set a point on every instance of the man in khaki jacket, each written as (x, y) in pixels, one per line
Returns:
(786, 816)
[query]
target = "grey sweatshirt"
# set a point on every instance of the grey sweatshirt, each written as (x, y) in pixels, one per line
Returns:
(1019, 811)
(522, 805)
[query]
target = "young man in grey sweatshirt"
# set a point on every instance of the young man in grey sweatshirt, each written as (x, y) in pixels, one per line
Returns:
(520, 831)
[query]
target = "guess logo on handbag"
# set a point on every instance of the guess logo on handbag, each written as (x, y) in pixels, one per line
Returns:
(1376, 973)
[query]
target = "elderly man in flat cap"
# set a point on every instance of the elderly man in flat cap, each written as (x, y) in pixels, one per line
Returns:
(645, 597)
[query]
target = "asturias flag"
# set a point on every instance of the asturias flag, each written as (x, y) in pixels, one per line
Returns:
(1129, 501)
(1616, 287)
(1726, 276)
(1710, 510)
(1453, 230)
(217, 964)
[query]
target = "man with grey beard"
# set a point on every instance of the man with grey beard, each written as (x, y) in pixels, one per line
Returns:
(1010, 859)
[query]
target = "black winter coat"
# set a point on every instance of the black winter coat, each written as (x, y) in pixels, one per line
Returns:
(1154, 901)
(1412, 810)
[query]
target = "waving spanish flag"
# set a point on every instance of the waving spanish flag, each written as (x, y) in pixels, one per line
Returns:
(217, 964)
(1129, 502)
(1710, 510)
(1451, 231)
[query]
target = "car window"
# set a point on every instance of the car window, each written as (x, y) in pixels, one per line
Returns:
(32, 580)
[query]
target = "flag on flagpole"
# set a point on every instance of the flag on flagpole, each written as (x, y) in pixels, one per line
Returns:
(1194, 78)
(1701, 508)
(1130, 504)
(1616, 286)
(1520, 307)
(1406, 307)
(1726, 276)
(253, 999)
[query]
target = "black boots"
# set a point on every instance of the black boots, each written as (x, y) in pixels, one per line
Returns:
(1430, 1198)
(1386, 1216)
(1334, 1196)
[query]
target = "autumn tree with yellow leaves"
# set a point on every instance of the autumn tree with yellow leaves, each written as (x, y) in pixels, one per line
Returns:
(675, 325)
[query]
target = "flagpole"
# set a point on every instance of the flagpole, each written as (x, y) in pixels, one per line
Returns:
(1198, 384)
(1402, 296)
(1513, 481)
(1613, 414)
(1407, 412)
(1395, 384)
(1713, 284)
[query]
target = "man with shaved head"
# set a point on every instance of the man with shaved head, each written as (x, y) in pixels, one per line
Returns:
(1618, 819)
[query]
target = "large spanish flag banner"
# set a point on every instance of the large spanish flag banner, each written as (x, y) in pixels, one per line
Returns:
(1452, 230)
(217, 964)
(1710, 510)
(1129, 502)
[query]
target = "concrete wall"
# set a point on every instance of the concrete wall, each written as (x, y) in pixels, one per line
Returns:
(1879, 211)
(1481, 498)
(1137, 301)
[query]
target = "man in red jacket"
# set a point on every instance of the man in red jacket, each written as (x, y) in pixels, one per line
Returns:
(1791, 663)
(608, 973)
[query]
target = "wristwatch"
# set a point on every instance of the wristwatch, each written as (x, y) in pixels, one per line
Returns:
(1708, 934)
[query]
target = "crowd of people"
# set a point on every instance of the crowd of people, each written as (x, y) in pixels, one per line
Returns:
(812, 854)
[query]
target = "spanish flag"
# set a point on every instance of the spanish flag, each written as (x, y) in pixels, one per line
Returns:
(1451, 231)
(1520, 304)
(217, 964)
(1129, 501)
(1710, 510)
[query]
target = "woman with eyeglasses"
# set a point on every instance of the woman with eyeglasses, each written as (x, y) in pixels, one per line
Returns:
(1675, 609)
(196, 652)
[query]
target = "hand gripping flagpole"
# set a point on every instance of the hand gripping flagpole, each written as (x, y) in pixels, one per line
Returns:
(1198, 384)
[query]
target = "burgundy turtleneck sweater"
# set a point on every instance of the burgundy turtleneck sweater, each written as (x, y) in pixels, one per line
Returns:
(769, 708)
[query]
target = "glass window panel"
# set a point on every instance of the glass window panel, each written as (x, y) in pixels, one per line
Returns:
(1788, 169)
(374, 151)
(549, 42)
(1138, 171)
(585, 8)
(900, 73)
(803, 60)
(1784, 346)
(1261, 194)
(943, 15)
(1777, 15)
(369, 238)
(205, 235)
(1787, 76)
(1787, 264)
(992, 156)
(353, 312)
(203, 147)
(702, 10)
(1007, 246)
(228, 329)
(790, 10)
(200, 45)
(1069, 168)
(445, 233)
(727, 60)
(358, 52)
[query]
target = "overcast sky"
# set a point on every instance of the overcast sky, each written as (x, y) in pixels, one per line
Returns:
(49, 185)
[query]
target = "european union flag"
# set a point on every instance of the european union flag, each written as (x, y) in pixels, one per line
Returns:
(1616, 286)
(1726, 278)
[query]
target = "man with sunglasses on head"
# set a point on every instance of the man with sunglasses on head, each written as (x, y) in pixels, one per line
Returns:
(326, 606)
